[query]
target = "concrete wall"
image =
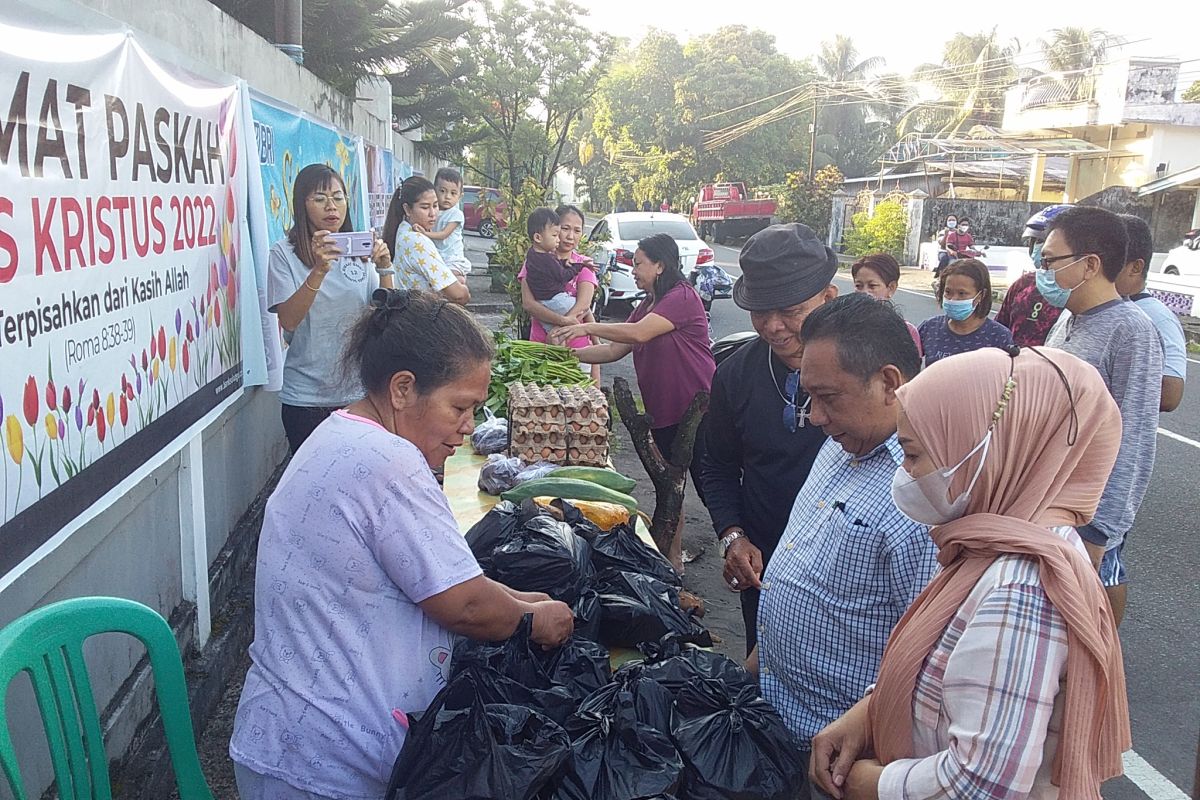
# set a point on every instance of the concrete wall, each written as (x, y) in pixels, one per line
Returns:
(992, 221)
(132, 548)
(215, 40)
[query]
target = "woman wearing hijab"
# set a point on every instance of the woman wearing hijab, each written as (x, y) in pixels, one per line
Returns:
(1004, 678)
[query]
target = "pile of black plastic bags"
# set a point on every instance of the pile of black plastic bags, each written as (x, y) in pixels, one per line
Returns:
(517, 722)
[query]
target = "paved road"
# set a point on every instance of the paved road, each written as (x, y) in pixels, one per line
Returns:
(1160, 632)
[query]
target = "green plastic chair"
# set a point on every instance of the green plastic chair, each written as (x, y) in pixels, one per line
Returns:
(48, 645)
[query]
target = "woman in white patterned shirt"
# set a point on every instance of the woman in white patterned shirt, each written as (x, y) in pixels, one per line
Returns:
(1004, 678)
(419, 265)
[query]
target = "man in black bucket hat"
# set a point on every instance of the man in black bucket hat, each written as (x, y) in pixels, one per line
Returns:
(760, 445)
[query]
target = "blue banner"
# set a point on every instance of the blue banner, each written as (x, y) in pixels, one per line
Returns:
(289, 140)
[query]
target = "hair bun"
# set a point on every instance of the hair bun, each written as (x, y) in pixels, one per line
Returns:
(384, 303)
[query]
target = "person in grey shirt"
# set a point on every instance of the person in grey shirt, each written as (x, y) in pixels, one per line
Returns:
(317, 295)
(1077, 269)
(1131, 283)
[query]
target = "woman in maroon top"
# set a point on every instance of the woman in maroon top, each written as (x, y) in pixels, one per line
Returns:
(668, 336)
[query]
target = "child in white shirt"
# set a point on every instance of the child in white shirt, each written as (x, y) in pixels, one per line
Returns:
(447, 232)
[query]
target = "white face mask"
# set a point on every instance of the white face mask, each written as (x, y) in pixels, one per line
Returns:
(926, 499)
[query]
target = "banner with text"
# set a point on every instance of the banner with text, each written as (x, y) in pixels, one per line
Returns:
(122, 230)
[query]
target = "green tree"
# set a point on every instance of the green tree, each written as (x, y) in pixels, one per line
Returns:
(853, 118)
(347, 40)
(538, 66)
(643, 137)
(1074, 49)
(976, 70)
(810, 202)
(1192, 93)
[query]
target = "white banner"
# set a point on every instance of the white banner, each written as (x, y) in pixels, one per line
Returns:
(123, 264)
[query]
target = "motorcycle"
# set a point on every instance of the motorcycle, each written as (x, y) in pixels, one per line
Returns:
(712, 283)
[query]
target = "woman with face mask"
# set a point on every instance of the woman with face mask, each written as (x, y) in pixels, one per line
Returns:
(1004, 678)
(964, 291)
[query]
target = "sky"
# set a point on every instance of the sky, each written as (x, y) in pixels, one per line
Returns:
(906, 37)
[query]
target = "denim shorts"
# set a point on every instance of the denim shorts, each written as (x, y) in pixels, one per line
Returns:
(1112, 567)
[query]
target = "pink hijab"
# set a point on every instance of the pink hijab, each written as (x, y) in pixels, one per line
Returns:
(1046, 467)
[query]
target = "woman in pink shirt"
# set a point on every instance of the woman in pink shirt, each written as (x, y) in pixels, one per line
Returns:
(583, 287)
(879, 276)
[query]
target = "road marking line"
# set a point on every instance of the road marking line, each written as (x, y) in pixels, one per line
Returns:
(1153, 783)
(1194, 361)
(1178, 438)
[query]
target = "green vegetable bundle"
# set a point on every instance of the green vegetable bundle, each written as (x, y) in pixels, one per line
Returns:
(530, 362)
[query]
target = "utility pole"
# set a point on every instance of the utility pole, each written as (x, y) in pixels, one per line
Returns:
(812, 143)
(289, 28)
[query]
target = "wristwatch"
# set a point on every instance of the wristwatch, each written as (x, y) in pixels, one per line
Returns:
(728, 539)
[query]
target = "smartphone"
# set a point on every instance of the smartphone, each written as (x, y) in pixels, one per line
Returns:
(356, 244)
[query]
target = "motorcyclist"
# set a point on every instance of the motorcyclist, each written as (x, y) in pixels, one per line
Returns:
(960, 243)
(1024, 311)
(943, 256)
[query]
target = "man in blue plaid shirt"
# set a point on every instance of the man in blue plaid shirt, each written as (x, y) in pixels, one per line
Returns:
(848, 564)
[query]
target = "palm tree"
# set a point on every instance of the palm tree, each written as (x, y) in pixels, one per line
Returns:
(848, 129)
(838, 61)
(1075, 49)
(975, 71)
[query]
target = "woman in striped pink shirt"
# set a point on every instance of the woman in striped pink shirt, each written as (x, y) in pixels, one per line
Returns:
(1004, 678)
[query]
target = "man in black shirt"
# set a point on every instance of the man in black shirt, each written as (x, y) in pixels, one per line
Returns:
(760, 445)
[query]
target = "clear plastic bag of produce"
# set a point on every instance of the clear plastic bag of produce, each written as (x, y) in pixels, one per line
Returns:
(637, 608)
(621, 549)
(544, 555)
(733, 744)
(534, 471)
(464, 747)
(499, 474)
(491, 435)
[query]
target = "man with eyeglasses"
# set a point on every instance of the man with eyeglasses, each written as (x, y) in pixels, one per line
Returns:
(849, 562)
(760, 444)
(1078, 270)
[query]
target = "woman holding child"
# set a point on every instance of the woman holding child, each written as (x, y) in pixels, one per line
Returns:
(316, 291)
(582, 287)
(412, 220)
(668, 336)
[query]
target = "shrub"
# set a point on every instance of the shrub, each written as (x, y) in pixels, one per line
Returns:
(883, 232)
(810, 202)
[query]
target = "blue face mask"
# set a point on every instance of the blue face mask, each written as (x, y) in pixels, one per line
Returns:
(1047, 283)
(959, 310)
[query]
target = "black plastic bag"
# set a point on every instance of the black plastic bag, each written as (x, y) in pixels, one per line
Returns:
(675, 664)
(630, 687)
(515, 673)
(496, 527)
(465, 748)
(734, 745)
(581, 665)
(615, 757)
(544, 555)
(637, 608)
(622, 550)
(587, 615)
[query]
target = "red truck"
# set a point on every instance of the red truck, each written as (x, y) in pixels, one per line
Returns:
(724, 211)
